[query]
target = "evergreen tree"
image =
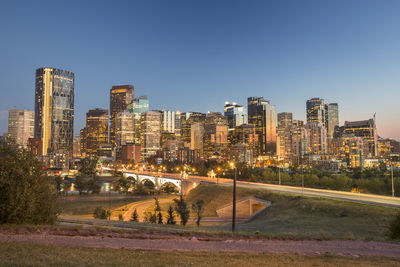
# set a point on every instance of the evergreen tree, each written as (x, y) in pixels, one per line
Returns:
(160, 218)
(182, 209)
(135, 217)
(171, 216)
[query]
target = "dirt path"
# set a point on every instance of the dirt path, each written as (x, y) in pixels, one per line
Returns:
(352, 248)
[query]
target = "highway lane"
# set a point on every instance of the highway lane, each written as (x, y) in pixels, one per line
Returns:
(332, 194)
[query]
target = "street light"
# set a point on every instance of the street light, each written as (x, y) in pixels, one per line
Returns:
(234, 198)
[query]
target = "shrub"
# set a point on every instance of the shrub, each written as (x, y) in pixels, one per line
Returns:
(100, 213)
(394, 227)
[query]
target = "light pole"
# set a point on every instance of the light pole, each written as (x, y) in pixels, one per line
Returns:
(234, 199)
(391, 164)
(302, 178)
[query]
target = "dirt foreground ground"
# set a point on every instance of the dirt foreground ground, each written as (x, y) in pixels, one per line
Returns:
(352, 248)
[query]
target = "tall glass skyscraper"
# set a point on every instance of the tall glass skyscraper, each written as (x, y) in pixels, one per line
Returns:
(138, 106)
(236, 115)
(54, 109)
(331, 118)
(263, 116)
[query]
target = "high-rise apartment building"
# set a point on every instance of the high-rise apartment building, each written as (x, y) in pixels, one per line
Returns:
(299, 142)
(120, 97)
(150, 133)
(317, 139)
(54, 109)
(21, 126)
(235, 114)
(96, 131)
(138, 106)
(263, 115)
(285, 123)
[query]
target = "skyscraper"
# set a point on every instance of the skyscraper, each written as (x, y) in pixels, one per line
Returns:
(21, 125)
(96, 130)
(331, 118)
(138, 106)
(54, 109)
(315, 109)
(263, 115)
(235, 114)
(215, 134)
(285, 123)
(124, 128)
(120, 97)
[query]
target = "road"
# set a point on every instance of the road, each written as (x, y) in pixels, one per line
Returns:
(332, 194)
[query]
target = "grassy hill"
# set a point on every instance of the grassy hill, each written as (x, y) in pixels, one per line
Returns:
(301, 216)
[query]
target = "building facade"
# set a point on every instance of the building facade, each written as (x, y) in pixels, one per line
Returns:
(96, 131)
(263, 115)
(150, 133)
(120, 97)
(54, 110)
(21, 126)
(235, 114)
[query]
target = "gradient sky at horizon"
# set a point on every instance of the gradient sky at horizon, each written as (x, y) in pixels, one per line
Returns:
(195, 55)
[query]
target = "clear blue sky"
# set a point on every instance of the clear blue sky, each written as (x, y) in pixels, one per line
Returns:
(195, 55)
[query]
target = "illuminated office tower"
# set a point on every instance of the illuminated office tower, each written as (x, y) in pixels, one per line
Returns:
(331, 118)
(120, 97)
(150, 133)
(21, 126)
(54, 110)
(138, 106)
(96, 131)
(352, 150)
(263, 115)
(124, 128)
(315, 109)
(285, 123)
(187, 119)
(367, 131)
(197, 135)
(235, 114)
(215, 135)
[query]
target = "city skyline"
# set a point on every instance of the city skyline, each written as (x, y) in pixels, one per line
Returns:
(199, 68)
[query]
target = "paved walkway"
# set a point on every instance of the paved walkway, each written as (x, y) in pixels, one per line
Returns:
(352, 248)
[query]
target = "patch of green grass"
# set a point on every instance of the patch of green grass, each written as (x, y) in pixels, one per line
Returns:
(85, 205)
(42, 255)
(304, 216)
